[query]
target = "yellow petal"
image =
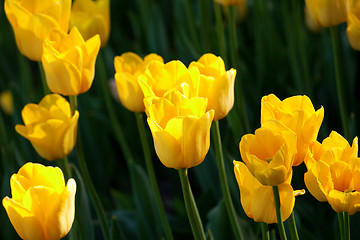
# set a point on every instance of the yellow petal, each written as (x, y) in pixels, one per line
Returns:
(26, 226)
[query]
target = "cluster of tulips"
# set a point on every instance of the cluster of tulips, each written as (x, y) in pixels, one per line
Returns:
(183, 105)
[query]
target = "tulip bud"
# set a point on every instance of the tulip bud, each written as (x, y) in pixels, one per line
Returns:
(32, 22)
(180, 127)
(41, 207)
(50, 127)
(69, 62)
(216, 84)
(91, 18)
(129, 66)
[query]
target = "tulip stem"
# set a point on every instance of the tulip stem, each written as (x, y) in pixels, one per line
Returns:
(265, 231)
(215, 131)
(292, 226)
(220, 32)
(118, 131)
(340, 216)
(338, 79)
(64, 164)
(191, 208)
(43, 79)
(191, 24)
(346, 219)
(278, 213)
(87, 179)
(234, 51)
(151, 173)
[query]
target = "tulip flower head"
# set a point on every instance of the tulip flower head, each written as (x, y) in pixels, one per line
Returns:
(180, 127)
(128, 67)
(216, 84)
(42, 206)
(159, 79)
(69, 62)
(269, 153)
(31, 22)
(6, 102)
(50, 127)
(91, 18)
(333, 173)
(257, 200)
(230, 2)
(328, 13)
(353, 25)
(296, 113)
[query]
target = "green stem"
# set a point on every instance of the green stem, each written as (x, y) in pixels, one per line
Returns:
(278, 213)
(191, 24)
(220, 32)
(151, 173)
(338, 79)
(64, 164)
(87, 179)
(235, 63)
(341, 224)
(295, 66)
(223, 181)
(346, 226)
(232, 35)
(292, 226)
(265, 231)
(205, 24)
(118, 131)
(191, 208)
(299, 26)
(43, 80)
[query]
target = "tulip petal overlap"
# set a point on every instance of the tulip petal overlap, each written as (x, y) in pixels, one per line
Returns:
(42, 206)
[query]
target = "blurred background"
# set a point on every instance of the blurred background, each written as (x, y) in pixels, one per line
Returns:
(276, 53)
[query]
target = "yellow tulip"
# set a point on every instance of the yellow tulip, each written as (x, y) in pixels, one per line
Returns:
(128, 67)
(296, 113)
(159, 79)
(269, 153)
(180, 128)
(257, 200)
(353, 26)
(311, 24)
(230, 2)
(41, 207)
(216, 84)
(328, 13)
(334, 173)
(6, 102)
(69, 62)
(32, 21)
(50, 127)
(91, 18)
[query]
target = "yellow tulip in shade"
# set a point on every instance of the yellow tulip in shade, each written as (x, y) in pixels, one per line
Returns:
(353, 25)
(159, 79)
(230, 2)
(180, 127)
(6, 102)
(69, 62)
(269, 153)
(50, 127)
(128, 67)
(296, 113)
(328, 13)
(32, 21)
(257, 200)
(41, 207)
(91, 18)
(216, 84)
(334, 173)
